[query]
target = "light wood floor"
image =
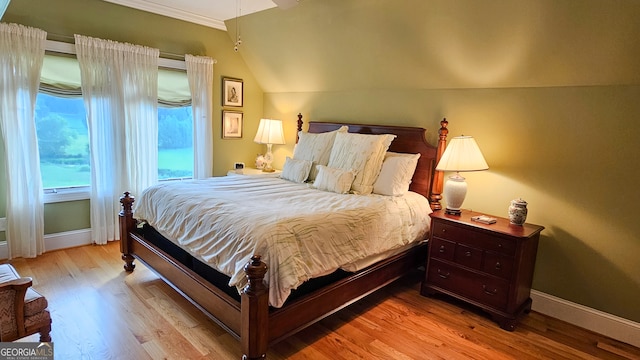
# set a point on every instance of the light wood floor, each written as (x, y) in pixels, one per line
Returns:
(101, 312)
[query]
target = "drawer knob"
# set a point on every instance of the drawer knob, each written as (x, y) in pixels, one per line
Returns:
(498, 265)
(442, 248)
(443, 275)
(500, 245)
(489, 292)
(467, 254)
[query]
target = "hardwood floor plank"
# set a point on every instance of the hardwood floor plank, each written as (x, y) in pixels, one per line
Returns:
(154, 350)
(99, 311)
(615, 349)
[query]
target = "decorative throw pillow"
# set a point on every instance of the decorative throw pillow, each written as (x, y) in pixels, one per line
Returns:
(316, 147)
(296, 170)
(362, 154)
(335, 180)
(396, 174)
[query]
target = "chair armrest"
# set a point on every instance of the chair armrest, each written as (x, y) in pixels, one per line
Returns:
(15, 284)
(20, 287)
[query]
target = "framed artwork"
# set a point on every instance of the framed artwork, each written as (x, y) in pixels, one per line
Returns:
(232, 92)
(231, 124)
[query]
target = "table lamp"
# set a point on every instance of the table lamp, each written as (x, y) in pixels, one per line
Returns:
(462, 154)
(269, 132)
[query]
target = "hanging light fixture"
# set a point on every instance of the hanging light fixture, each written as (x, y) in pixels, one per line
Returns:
(238, 14)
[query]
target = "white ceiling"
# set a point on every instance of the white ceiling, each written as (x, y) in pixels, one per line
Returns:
(210, 13)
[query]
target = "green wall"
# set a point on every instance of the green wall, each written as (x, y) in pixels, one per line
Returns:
(549, 89)
(63, 18)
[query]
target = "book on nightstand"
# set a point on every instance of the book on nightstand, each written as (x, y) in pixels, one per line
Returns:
(484, 219)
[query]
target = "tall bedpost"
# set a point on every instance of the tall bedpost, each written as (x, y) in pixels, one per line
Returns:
(438, 176)
(254, 305)
(127, 224)
(299, 126)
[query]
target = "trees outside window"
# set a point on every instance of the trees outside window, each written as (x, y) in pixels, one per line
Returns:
(63, 141)
(175, 143)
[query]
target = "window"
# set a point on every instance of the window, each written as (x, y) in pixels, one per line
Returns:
(63, 136)
(63, 141)
(175, 143)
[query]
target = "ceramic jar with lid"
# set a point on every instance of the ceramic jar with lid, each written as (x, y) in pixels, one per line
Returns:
(518, 212)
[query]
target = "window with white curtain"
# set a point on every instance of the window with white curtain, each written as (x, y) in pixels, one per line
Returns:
(62, 131)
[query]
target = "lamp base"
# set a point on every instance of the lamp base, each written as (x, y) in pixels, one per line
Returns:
(456, 212)
(268, 158)
(455, 189)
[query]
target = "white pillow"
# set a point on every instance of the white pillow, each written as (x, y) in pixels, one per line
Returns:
(316, 147)
(335, 180)
(296, 170)
(362, 154)
(396, 173)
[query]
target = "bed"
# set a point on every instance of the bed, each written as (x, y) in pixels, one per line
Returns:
(257, 314)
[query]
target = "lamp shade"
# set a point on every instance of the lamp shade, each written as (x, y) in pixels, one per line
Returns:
(462, 154)
(270, 132)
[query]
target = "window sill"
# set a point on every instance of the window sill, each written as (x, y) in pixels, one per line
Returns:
(64, 195)
(80, 193)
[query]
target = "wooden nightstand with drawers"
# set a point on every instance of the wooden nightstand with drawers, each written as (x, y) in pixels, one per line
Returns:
(489, 266)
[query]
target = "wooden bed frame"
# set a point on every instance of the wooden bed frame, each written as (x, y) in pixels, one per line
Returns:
(252, 320)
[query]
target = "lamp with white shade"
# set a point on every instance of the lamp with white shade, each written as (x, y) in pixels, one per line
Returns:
(269, 133)
(462, 154)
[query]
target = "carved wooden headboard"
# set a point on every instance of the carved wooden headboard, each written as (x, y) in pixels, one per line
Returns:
(426, 180)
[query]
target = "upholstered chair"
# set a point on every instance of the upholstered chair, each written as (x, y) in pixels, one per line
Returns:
(23, 311)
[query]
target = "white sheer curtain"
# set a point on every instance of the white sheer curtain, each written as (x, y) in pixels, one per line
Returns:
(120, 91)
(21, 54)
(200, 75)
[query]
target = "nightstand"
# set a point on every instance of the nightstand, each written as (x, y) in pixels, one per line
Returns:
(489, 266)
(255, 172)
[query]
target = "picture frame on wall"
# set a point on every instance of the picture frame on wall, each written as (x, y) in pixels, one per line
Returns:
(232, 124)
(232, 92)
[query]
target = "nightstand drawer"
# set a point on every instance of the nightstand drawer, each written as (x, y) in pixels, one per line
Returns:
(474, 238)
(498, 265)
(442, 249)
(485, 289)
(468, 256)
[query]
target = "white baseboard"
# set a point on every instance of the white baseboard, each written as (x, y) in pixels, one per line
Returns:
(57, 241)
(67, 239)
(600, 322)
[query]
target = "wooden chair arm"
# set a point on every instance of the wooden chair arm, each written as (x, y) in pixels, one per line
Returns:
(20, 287)
(25, 282)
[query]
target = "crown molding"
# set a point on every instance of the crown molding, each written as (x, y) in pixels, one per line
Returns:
(172, 12)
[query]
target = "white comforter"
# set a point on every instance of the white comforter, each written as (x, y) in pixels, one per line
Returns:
(300, 232)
